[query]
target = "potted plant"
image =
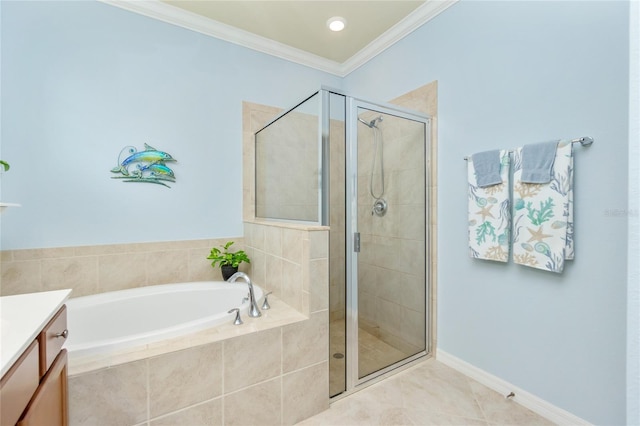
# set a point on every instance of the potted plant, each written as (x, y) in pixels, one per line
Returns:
(5, 165)
(228, 261)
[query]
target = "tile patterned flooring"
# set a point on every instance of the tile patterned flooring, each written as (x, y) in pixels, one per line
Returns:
(429, 393)
(375, 354)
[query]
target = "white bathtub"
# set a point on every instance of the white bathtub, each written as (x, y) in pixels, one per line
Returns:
(109, 322)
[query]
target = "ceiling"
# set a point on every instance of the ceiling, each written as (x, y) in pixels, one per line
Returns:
(296, 30)
(302, 24)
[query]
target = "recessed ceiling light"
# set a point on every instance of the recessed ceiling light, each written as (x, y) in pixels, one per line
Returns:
(337, 23)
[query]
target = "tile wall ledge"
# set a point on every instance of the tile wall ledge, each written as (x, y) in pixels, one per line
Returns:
(288, 225)
(279, 315)
(106, 249)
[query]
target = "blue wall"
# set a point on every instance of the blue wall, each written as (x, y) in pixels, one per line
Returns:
(511, 73)
(82, 80)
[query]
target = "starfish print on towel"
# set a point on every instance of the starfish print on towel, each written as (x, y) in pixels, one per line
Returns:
(538, 235)
(485, 211)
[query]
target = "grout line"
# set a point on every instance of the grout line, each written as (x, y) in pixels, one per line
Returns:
(185, 409)
(222, 394)
(281, 375)
(148, 391)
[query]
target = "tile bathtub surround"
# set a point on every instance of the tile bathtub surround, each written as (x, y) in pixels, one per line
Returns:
(256, 378)
(232, 374)
(97, 269)
(291, 261)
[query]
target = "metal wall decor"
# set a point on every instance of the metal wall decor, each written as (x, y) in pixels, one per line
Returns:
(146, 166)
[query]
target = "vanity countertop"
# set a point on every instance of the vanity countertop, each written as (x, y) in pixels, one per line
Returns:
(22, 317)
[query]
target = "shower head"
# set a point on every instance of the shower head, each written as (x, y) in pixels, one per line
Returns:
(371, 124)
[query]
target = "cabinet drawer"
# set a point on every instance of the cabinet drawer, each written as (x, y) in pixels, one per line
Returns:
(18, 385)
(52, 338)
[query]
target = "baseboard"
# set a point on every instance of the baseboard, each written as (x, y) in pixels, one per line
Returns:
(522, 397)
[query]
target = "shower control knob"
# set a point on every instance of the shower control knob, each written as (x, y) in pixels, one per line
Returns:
(379, 207)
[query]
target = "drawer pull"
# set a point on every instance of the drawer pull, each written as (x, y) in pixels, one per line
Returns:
(64, 334)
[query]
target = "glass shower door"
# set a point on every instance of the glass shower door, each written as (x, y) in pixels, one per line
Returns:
(390, 230)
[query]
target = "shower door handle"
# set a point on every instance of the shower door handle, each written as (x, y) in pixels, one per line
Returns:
(356, 242)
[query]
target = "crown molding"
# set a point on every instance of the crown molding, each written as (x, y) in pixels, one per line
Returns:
(406, 26)
(174, 15)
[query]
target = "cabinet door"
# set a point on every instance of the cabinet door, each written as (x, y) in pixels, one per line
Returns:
(49, 405)
(18, 385)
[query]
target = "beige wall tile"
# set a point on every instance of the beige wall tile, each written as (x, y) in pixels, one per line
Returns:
(257, 405)
(102, 249)
(292, 245)
(305, 343)
(206, 414)
(319, 285)
(6, 256)
(121, 271)
(112, 396)
(78, 273)
(199, 267)
(306, 303)
(53, 252)
(305, 393)
(118, 266)
(389, 315)
(251, 359)
(273, 277)
(165, 267)
(318, 244)
(184, 378)
(273, 240)
(258, 267)
(21, 277)
(256, 235)
(29, 254)
(292, 284)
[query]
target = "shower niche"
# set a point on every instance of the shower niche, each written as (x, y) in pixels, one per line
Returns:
(361, 169)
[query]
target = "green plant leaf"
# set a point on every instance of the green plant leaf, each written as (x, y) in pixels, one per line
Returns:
(226, 257)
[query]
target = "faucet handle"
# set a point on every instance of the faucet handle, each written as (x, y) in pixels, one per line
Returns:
(238, 320)
(265, 304)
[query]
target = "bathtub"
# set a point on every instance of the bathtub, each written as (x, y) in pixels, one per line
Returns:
(113, 321)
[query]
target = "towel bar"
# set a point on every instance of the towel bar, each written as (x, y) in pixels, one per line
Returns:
(583, 141)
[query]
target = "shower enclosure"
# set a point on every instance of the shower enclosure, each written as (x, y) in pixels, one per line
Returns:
(361, 169)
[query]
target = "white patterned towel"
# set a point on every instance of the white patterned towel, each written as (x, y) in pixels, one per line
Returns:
(490, 215)
(543, 214)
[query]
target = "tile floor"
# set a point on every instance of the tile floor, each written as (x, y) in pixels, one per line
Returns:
(375, 354)
(429, 393)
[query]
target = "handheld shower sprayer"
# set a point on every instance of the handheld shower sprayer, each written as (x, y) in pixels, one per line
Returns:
(380, 205)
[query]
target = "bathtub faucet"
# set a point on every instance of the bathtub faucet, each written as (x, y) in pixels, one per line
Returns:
(253, 312)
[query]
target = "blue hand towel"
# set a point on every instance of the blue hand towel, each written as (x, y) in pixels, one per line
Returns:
(537, 162)
(487, 168)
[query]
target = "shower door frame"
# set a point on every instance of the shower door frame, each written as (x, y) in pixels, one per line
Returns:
(353, 381)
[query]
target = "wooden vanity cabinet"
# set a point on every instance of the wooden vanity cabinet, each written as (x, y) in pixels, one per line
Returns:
(49, 403)
(18, 385)
(34, 390)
